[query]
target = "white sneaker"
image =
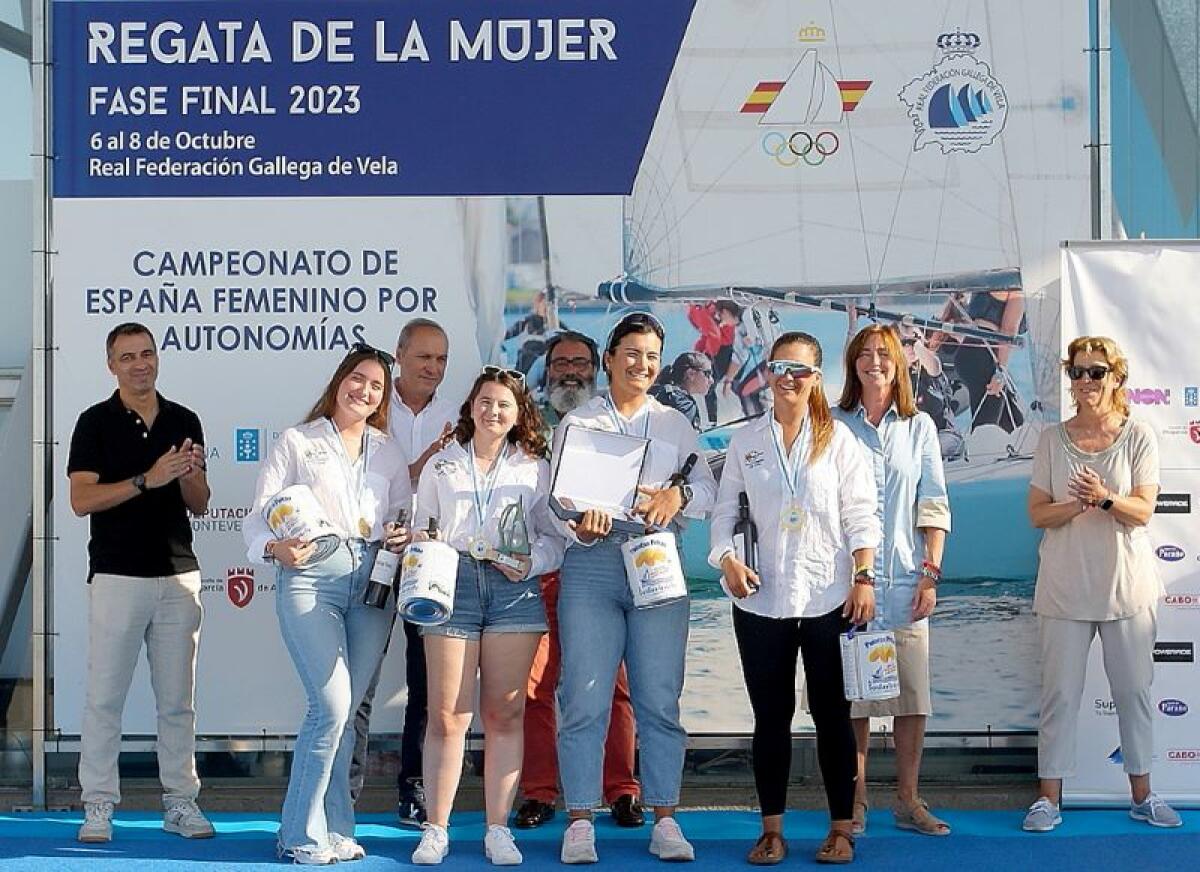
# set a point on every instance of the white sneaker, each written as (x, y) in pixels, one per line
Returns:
(500, 847)
(307, 856)
(435, 845)
(667, 842)
(97, 822)
(345, 848)
(579, 843)
(183, 817)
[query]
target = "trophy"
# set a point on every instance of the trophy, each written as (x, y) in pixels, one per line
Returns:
(514, 540)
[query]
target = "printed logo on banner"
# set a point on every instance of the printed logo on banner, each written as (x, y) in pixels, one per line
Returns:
(1173, 708)
(246, 445)
(221, 519)
(1191, 396)
(809, 99)
(1194, 431)
(1191, 429)
(1169, 553)
(1183, 755)
(1104, 707)
(239, 585)
(1173, 504)
(1182, 600)
(1174, 652)
(958, 105)
(1149, 396)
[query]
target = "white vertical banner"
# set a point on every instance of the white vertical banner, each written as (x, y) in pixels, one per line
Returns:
(1139, 292)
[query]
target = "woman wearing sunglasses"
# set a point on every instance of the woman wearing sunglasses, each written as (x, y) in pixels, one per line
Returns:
(359, 477)
(598, 623)
(878, 406)
(1093, 490)
(494, 464)
(812, 497)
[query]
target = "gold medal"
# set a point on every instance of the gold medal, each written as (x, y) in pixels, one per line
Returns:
(364, 528)
(792, 518)
(479, 549)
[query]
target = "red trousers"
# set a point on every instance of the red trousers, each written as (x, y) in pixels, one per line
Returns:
(539, 774)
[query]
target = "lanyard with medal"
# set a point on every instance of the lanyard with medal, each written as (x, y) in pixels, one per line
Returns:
(478, 546)
(792, 518)
(355, 483)
(619, 422)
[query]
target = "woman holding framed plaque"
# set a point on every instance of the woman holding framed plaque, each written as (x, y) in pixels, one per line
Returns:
(600, 624)
(352, 473)
(811, 497)
(487, 491)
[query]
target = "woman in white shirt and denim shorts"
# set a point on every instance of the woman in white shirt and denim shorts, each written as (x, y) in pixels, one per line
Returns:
(495, 461)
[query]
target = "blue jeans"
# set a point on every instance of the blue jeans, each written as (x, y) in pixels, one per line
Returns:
(336, 644)
(598, 627)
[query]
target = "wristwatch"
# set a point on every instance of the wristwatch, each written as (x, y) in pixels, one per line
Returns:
(1106, 503)
(864, 575)
(685, 493)
(139, 482)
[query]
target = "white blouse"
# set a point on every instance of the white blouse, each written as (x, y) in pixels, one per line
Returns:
(313, 454)
(672, 439)
(804, 568)
(447, 491)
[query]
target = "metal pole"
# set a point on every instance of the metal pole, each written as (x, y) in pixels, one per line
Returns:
(1098, 147)
(43, 433)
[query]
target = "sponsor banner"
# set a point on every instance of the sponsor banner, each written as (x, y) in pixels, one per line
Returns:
(1174, 652)
(506, 188)
(1101, 282)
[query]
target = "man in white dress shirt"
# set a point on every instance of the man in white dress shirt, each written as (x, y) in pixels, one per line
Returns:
(421, 421)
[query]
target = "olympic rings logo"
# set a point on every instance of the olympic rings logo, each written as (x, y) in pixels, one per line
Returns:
(788, 151)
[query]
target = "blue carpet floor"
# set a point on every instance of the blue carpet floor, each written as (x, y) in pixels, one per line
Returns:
(1092, 840)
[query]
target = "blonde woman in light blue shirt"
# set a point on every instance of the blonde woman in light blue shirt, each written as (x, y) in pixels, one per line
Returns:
(901, 445)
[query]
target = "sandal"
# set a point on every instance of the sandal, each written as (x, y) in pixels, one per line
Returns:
(858, 824)
(917, 817)
(768, 850)
(838, 847)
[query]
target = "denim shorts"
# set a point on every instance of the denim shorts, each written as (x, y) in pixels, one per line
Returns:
(487, 602)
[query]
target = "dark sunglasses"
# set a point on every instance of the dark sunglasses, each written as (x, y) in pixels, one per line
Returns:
(1095, 373)
(515, 374)
(363, 348)
(703, 370)
(794, 368)
(908, 341)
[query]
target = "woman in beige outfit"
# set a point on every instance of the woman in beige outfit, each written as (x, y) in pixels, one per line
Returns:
(1094, 483)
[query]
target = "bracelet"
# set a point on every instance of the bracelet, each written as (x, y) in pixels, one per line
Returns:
(931, 571)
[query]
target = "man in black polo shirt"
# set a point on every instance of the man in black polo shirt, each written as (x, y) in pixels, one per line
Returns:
(136, 470)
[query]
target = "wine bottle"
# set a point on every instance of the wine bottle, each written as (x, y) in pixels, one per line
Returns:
(745, 534)
(383, 572)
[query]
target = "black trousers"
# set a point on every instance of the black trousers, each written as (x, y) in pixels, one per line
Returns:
(768, 649)
(416, 713)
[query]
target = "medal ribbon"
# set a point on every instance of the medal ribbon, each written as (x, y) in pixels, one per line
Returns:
(620, 424)
(791, 474)
(483, 500)
(355, 484)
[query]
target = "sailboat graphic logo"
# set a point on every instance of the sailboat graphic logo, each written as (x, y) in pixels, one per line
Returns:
(958, 105)
(811, 96)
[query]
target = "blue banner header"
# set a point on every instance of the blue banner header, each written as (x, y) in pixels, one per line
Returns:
(357, 98)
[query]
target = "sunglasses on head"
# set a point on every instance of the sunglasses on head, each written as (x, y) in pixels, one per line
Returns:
(515, 374)
(1095, 373)
(363, 348)
(638, 319)
(794, 368)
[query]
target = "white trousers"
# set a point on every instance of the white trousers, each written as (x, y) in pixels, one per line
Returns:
(123, 612)
(1128, 648)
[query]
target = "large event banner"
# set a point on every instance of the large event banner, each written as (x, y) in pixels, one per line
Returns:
(264, 183)
(1139, 292)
